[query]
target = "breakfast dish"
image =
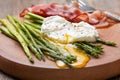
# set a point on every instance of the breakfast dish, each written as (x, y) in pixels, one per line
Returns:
(63, 34)
(61, 42)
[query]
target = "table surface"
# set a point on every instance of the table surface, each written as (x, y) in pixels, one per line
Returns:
(112, 5)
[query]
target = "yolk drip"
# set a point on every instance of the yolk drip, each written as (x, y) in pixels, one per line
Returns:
(82, 58)
(81, 61)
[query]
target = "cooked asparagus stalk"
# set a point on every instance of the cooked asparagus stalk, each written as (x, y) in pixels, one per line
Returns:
(13, 31)
(36, 26)
(105, 42)
(38, 53)
(91, 49)
(6, 32)
(96, 46)
(36, 41)
(40, 38)
(34, 16)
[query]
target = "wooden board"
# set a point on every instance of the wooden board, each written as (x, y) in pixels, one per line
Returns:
(14, 62)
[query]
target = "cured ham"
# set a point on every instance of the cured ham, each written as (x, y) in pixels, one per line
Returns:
(70, 13)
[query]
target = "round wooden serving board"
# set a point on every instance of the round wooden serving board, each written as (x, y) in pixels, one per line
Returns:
(14, 62)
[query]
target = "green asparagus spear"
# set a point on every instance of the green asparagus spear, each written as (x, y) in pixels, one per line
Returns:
(6, 32)
(38, 51)
(34, 16)
(40, 38)
(89, 49)
(13, 31)
(98, 47)
(105, 42)
(36, 26)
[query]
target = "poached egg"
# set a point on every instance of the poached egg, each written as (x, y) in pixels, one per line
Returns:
(59, 29)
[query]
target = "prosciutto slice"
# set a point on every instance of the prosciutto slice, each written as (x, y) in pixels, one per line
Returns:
(70, 13)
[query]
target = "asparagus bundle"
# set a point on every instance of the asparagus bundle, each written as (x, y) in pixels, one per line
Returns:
(30, 38)
(9, 27)
(94, 49)
(90, 48)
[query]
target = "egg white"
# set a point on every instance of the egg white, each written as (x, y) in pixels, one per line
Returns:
(63, 31)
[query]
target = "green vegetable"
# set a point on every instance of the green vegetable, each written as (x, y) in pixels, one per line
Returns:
(105, 42)
(30, 38)
(94, 49)
(38, 35)
(31, 41)
(34, 16)
(34, 25)
(96, 46)
(6, 32)
(90, 48)
(14, 32)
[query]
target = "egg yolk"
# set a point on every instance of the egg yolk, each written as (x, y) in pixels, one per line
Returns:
(81, 61)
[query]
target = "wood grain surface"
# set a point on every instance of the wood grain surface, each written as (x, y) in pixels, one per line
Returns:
(13, 7)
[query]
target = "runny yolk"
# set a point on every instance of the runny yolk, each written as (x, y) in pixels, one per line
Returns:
(82, 58)
(81, 61)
